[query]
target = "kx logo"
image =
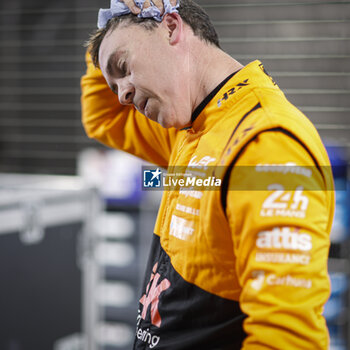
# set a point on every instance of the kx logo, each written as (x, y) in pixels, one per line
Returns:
(151, 298)
(152, 178)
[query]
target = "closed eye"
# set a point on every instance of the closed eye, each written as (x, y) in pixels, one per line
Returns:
(123, 68)
(114, 88)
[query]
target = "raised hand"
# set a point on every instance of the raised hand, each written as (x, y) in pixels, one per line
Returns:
(136, 10)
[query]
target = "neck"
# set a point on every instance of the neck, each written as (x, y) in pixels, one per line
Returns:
(212, 66)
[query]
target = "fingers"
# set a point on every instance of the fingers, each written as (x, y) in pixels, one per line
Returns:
(132, 7)
(136, 10)
(159, 4)
(146, 4)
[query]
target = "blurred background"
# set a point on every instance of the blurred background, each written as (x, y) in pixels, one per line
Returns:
(72, 257)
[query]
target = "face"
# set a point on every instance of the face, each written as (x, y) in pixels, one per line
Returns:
(144, 69)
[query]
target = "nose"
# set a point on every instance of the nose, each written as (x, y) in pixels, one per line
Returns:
(126, 92)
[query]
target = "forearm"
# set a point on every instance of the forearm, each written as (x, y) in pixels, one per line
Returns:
(119, 126)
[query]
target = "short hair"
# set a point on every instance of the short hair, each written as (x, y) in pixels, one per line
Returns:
(190, 12)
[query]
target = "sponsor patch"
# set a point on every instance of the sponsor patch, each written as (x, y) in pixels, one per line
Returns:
(187, 210)
(274, 280)
(287, 168)
(283, 245)
(284, 238)
(181, 228)
(285, 203)
(282, 258)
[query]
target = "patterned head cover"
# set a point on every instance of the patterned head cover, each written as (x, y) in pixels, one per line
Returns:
(118, 8)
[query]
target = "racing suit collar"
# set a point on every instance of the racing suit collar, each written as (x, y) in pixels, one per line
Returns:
(203, 104)
(228, 93)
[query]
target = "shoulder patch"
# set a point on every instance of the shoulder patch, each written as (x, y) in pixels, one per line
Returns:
(236, 137)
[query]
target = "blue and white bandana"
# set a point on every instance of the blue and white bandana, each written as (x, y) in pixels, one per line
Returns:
(118, 8)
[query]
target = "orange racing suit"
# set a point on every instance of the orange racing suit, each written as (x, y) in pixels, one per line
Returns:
(230, 269)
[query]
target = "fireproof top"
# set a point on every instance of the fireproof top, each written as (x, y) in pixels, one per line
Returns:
(243, 266)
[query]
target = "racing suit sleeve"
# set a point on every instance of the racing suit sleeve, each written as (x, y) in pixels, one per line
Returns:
(279, 220)
(119, 126)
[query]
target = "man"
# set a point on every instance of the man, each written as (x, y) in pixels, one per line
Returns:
(228, 269)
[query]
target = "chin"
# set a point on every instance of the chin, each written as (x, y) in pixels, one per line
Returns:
(165, 121)
(171, 122)
(167, 125)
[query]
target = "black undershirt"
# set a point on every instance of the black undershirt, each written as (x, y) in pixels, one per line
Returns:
(203, 104)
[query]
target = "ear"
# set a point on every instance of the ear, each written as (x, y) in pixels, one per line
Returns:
(174, 25)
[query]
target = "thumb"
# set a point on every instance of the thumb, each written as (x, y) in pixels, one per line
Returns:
(159, 4)
(132, 7)
(146, 4)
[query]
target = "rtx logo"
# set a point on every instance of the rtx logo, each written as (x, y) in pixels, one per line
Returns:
(284, 238)
(151, 298)
(230, 92)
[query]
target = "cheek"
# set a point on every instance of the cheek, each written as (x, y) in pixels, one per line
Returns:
(149, 84)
